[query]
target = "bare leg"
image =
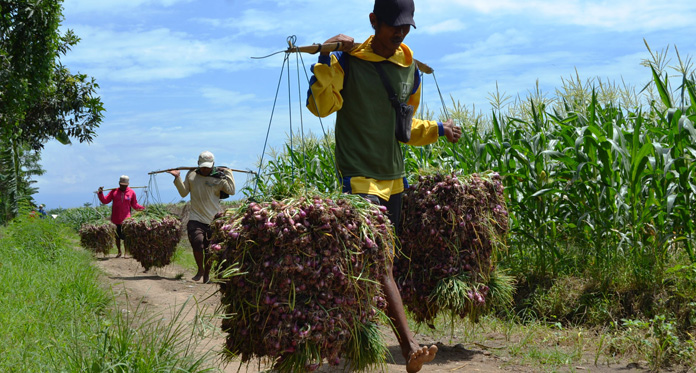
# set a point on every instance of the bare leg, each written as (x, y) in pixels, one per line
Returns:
(118, 246)
(206, 268)
(198, 255)
(415, 355)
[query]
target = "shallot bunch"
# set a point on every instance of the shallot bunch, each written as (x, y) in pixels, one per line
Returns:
(451, 225)
(152, 240)
(98, 237)
(302, 283)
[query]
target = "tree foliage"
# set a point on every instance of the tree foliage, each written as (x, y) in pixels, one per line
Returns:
(40, 99)
(16, 183)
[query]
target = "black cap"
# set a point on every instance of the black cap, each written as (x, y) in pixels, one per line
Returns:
(395, 12)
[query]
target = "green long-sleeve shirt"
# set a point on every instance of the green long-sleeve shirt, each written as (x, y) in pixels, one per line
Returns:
(368, 155)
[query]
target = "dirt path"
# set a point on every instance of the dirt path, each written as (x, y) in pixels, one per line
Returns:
(166, 290)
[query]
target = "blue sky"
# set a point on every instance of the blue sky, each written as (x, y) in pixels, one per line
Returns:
(176, 76)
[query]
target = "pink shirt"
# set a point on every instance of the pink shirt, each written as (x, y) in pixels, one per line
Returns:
(123, 201)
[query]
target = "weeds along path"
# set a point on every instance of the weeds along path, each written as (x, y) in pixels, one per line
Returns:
(166, 291)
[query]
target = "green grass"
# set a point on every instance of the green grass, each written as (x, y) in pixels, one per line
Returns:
(184, 255)
(551, 347)
(136, 341)
(56, 316)
(48, 293)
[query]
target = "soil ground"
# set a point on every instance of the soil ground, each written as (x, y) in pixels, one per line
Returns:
(169, 289)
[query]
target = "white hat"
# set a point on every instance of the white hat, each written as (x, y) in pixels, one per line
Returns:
(124, 180)
(206, 159)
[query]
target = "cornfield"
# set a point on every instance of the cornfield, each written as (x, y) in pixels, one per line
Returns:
(598, 179)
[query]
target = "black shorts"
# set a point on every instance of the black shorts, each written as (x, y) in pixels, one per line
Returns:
(393, 207)
(119, 232)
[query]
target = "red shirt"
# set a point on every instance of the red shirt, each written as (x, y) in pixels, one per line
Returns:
(123, 201)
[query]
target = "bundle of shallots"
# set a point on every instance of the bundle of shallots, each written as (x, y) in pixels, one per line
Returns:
(98, 237)
(452, 226)
(300, 281)
(151, 237)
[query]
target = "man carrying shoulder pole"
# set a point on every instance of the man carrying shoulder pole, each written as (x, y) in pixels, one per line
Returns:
(206, 184)
(123, 199)
(374, 89)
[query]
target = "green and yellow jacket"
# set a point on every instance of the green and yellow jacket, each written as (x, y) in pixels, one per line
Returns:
(369, 157)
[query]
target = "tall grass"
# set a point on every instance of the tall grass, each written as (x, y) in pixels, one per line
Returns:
(75, 217)
(44, 286)
(56, 316)
(137, 341)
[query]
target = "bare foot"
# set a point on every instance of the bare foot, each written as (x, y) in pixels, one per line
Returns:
(118, 255)
(197, 277)
(419, 357)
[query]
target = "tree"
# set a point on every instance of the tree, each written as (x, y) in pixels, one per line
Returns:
(40, 99)
(17, 185)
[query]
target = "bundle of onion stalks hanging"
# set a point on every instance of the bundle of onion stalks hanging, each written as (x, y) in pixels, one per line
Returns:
(299, 280)
(98, 237)
(151, 236)
(452, 227)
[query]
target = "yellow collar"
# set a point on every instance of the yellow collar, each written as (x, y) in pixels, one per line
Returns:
(402, 57)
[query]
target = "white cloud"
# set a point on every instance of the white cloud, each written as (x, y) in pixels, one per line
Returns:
(497, 51)
(147, 55)
(516, 75)
(115, 6)
(302, 18)
(618, 15)
(252, 21)
(140, 142)
(221, 96)
(450, 25)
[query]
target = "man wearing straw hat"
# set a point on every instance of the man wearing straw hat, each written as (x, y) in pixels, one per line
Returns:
(123, 199)
(374, 88)
(205, 185)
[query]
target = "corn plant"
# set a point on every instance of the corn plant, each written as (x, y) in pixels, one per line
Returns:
(599, 179)
(307, 162)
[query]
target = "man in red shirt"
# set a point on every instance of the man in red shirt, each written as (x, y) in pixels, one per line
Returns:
(123, 200)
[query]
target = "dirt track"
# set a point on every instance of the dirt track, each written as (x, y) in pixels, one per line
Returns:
(166, 290)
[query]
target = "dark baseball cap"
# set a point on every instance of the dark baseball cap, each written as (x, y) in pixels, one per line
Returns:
(395, 12)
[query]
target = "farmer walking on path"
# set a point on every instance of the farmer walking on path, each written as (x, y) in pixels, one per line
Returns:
(207, 184)
(123, 200)
(362, 84)
(42, 211)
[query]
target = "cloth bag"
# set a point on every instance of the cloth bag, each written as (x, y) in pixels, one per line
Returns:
(404, 112)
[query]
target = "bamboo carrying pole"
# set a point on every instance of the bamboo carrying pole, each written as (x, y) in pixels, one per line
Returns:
(106, 190)
(330, 47)
(193, 168)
